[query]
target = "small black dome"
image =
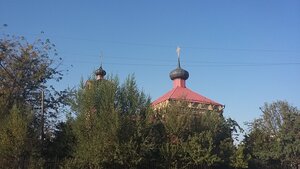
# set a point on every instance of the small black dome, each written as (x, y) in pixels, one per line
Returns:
(179, 73)
(100, 71)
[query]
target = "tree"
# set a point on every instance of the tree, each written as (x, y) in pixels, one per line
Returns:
(62, 145)
(95, 126)
(25, 69)
(175, 120)
(273, 141)
(241, 157)
(115, 127)
(290, 138)
(196, 140)
(25, 72)
(201, 150)
(13, 138)
(109, 125)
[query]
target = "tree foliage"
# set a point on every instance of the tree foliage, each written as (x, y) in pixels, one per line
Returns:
(108, 124)
(13, 138)
(25, 71)
(183, 139)
(114, 126)
(274, 138)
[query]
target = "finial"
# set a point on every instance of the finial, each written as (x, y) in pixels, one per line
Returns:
(101, 58)
(179, 73)
(178, 54)
(100, 73)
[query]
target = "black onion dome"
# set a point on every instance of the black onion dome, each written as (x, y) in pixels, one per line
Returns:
(100, 71)
(179, 73)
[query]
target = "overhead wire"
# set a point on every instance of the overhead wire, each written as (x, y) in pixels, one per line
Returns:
(204, 64)
(198, 63)
(142, 61)
(163, 45)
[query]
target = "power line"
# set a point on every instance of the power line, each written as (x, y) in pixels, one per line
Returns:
(167, 45)
(137, 62)
(212, 64)
(160, 59)
(199, 63)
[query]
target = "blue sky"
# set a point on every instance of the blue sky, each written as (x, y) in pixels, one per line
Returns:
(239, 53)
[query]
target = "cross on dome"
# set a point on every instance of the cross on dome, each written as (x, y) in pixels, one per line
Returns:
(178, 54)
(100, 73)
(179, 73)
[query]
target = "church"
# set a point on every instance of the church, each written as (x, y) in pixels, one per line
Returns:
(181, 93)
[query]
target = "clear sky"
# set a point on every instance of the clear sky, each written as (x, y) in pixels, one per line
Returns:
(238, 53)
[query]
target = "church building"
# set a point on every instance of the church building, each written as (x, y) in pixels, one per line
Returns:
(180, 93)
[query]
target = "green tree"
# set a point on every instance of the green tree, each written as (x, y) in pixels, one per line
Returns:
(201, 150)
(110, 122)
(96, 125)
(175, 120)
(133, 107)
(289, 137)
(196, 140)
(13, 138)
(240, 158)
(62, 145)
(273, 141)
(25, 71)
(115, 127)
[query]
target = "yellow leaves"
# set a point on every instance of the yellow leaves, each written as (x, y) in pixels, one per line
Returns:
(30, 47)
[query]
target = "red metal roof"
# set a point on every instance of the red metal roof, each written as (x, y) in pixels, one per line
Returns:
(183, 93)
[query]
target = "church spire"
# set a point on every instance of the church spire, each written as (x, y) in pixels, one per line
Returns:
(178, 55)
(100, 73)
(179, 73)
